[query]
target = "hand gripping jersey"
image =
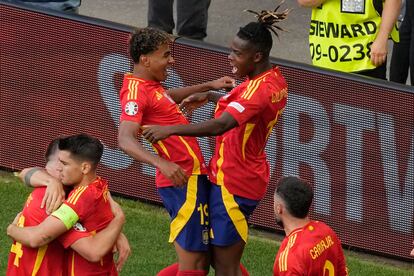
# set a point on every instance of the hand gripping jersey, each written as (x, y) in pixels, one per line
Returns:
(312, 250)
(239, 161)
(147, 103)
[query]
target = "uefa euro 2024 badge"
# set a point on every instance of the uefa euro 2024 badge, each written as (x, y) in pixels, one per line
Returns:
(131, 108)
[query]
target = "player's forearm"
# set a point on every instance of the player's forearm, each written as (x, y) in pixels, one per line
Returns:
(94, 248)
(128, 142)
(213, 96)
(28, 236)
(212, 127)
(310, 3)
(389, 16)
(179, 94)
(34, 177)
(135, 150)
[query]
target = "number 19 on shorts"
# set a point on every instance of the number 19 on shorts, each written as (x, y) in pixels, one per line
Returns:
(203, 210)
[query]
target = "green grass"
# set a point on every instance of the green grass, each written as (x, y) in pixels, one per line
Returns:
(147, 231)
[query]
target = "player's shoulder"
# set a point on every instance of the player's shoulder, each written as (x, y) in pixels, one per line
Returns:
(320, 225)
(81, 193)
(134, 87)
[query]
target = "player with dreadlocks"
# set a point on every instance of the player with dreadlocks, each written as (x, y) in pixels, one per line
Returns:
(181, 177)
(243, 121)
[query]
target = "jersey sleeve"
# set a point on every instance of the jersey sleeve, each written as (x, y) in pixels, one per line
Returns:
(78, 206)
(75, 233)
(247, 106)
(133, 103)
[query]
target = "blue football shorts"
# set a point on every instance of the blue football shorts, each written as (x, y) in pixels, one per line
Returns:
(189, 212)
(228, 216)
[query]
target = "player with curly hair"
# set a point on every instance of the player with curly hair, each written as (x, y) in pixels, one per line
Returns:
(243, 121)
(181, 176)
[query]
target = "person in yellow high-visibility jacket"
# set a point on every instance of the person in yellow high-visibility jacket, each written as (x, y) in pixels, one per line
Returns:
(352, 35)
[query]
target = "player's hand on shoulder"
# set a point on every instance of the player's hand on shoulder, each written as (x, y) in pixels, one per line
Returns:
(54, 196)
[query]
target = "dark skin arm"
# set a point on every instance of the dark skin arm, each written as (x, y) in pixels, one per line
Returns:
(189, 104)
(128, 143)
(213, 127)
(179, 94)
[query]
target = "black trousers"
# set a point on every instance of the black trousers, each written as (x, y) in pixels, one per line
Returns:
(192, 17)
(402, 58)
(379, 72)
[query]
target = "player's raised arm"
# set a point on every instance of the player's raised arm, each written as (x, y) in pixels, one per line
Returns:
(179, 94)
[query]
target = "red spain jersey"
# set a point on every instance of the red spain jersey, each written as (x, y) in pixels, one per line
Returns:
(46, 260)
(312, 250)
(91, 205)
(147, 103)
(239, 161)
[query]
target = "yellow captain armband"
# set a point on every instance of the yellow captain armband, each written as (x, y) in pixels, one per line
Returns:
(67, 215)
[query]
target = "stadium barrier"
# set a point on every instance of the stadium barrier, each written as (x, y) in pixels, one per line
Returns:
(352, 137)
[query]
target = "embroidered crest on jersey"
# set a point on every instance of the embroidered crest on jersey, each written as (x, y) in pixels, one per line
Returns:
(131, 108)
(79, 227)
(353, 6)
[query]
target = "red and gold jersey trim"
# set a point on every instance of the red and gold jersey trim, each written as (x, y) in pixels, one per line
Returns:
(76, 194)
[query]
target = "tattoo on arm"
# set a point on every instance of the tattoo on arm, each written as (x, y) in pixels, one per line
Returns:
(29, 175)
(47, 239)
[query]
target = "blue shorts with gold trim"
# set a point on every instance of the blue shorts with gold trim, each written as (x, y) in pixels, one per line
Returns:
(188, 209)
(228, 216)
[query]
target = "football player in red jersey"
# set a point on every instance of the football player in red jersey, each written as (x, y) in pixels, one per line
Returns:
(243, 121)
(310, 247)
(181, 177)
(79, 156)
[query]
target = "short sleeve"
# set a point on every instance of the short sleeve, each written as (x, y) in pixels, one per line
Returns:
(133, 103)
(75, 233)
(82, 202)
(247, 106)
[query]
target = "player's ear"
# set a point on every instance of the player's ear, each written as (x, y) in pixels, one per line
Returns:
(279, 208)
(144, 60)
(86, 167)
(258, 56)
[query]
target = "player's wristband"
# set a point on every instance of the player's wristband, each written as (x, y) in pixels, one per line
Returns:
(29, 175)
(67, 215)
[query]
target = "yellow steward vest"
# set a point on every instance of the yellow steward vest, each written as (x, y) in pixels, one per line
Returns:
(342, 32)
